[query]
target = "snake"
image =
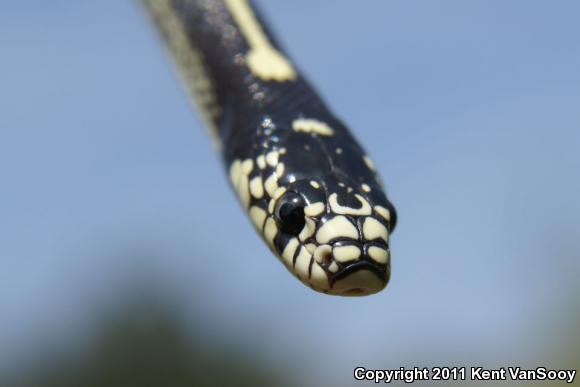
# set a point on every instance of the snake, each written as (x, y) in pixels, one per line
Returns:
(309, 188)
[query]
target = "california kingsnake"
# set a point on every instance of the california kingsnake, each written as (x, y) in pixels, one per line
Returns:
(308, 186)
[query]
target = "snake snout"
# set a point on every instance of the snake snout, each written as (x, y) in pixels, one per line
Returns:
(360, 278)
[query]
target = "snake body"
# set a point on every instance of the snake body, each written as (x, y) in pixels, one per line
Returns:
(307, 185)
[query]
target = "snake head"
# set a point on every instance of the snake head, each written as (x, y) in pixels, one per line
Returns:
(317, 201)
(328, 223)
(331, 237)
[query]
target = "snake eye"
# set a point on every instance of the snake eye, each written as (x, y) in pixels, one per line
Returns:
(289, 213)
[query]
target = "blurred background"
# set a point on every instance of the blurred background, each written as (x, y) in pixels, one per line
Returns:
(126, 260)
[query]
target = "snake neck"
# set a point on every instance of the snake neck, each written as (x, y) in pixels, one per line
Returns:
(233, 65)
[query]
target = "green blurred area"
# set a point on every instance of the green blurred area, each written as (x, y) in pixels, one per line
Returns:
(146, 344)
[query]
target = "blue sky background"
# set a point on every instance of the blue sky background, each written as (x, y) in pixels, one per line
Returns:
(470, 109)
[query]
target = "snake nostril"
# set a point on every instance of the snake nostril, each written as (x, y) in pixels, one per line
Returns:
(327, 257)
(323, 254)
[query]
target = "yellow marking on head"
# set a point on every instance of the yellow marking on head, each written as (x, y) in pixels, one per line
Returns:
(382, 211)
(319, 278)
(346, 253)
(270, 231)
(279, 192)
(311, 247)
(289, 250)
(257, 187)
(373, 229)
(365, 208)
(263, 60)
(314, 209)
(272, 158)
(308, 229)
(271, 206)
(261, 161)
(247, 166)
(369, 163)
(280, 169)
(366, 188)
(333, 267)
(235, 171)
(337, 227)
(271, 184)
(314, 184)
(258, 217)
(310, 125)
(302, 263)
(378, 254)
(239, 172)
(244, 190)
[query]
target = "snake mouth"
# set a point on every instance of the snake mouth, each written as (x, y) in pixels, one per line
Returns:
(360, 278)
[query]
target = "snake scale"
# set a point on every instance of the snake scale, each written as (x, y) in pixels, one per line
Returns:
(309, 188)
